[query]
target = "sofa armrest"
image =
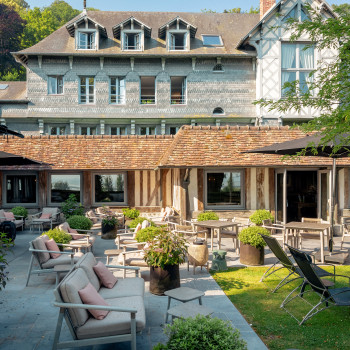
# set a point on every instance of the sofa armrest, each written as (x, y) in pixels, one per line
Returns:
(94, 307)
(134, 268)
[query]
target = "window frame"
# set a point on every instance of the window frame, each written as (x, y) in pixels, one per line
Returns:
(88, 129)
(183, 94)
(86, 32)
(49, 183)
(57, 127)
(125, 175)
(120, 101)
(125, 33)
(228, 206)
(4, 191)
(118, 130)
(186, 33)
(155, 91)
(213, 45)
(148, 130)
(297, 70)
(56, 84)
(87, 85)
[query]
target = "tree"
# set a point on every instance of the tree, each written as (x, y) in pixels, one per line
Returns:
(234, 10)
(17, 5)
(61, 185)
(11, 28)
(329, 85)
(342, 9)
(62, 12)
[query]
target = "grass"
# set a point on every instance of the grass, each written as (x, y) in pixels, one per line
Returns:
(327, 330)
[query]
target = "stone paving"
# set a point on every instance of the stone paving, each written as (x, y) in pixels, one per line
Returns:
(28, 318)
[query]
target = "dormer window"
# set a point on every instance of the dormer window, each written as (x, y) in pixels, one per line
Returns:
(177, 34)
(86, 40)
(132, 34)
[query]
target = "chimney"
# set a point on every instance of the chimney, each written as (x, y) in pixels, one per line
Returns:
(84, 4)
(265, 5)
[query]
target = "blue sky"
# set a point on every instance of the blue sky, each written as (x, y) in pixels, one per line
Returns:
(161, 5)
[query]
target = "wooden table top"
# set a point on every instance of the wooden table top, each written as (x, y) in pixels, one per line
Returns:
(307, 225)
(215, 223)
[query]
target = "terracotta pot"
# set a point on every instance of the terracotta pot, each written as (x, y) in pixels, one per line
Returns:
(250, 255)
(165, 279)
(198, 254)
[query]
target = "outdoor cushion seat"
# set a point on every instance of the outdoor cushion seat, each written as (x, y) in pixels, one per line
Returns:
(124, 287)
(61, 260)
(17, 222)
(115, 322)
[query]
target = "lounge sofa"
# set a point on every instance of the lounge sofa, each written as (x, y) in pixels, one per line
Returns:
(125, 303)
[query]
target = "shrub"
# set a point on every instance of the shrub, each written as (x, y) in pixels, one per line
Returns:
(258, 216)
(208, 215)
(250, 235)
(5, 246)
(79, 222)
(58, 236)
(20, 211)
(148, 234)
(131, 213)
(110, 220)
(139, 220)
(202, 333)
(71, 207)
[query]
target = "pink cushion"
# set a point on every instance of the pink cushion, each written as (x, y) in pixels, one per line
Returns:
(45, 216)
(90, 296)
(105, 276)
(71, 231)
(52, 245)
(9, 215)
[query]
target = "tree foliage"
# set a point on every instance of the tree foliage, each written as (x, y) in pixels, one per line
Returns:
(62, 12)
(329, 86)
(234, 10)
(342, 9)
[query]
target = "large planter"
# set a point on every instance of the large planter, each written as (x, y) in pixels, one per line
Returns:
(165, 279)
(198, 254)
(109, 231)
(250, 255)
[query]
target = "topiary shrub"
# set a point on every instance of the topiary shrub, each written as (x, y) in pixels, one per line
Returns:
(202, 332)
(58, 236)
(148, 234)
(250, 235)
(139, 220)
(71, 207)
(208, 215)
(131, 213)
(79, 222)
(258, 216)
(20, 211)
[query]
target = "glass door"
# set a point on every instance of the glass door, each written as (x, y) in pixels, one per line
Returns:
(324, 194)
(281, 195)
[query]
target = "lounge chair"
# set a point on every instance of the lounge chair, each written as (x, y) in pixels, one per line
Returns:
(328, 297)
(293, 271)
(6, 216)
(48, 216)
(46, 264)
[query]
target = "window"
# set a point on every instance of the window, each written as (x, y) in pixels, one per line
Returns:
(116, 90)
(118, 130)
(86, 40)
(178, 90)
(148, 90)
(87, 90)
(132, 41)
(63, 185)
(297, 64)
(293, 13)
(173, 130)
(212, 40)
(177, 41)
(224, 189)
(55, 85)
(21, 189)
(110, 188)
(57, 130)
(147, 130)
(218, 68)
(88, 130)
(218, 110)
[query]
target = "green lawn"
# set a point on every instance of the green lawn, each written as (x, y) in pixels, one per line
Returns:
(330, 329)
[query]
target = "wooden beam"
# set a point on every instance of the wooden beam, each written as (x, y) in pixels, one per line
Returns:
(43, 188)
(248, 203)
(1, 189)
(260, 179)
(272, 190)
(87, 189)
(163, 175)
(200, 180)
(131, 188)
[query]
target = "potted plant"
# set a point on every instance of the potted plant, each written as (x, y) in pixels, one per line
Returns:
(252, 245)
(259, 216)
(109, 223)
(131, 213)
(72, 207)
(207, 215)
(80, 222)
(164, 254)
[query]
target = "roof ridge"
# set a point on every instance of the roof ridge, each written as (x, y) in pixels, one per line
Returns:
(78, 137)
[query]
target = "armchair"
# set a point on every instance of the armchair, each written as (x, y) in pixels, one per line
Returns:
(46, 216)
(9, 216)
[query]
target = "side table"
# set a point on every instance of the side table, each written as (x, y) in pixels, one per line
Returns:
(188, 310)
(183, 294)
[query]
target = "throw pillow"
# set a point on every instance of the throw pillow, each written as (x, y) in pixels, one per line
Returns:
(45, 216)
(105, 276)
(90, 296)
(73, 232)
(52, 245)
(9, 215)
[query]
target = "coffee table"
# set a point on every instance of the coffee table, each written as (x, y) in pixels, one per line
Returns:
(183, 294)
(188, 310)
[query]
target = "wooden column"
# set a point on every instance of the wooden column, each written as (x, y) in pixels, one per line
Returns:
(163, 175)
(131, 188)
(43, 184)
(183, 195)
(248, 203)
(87, 189)
(260, 178)
(2, 190)
(272, 190)
(200, 180)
